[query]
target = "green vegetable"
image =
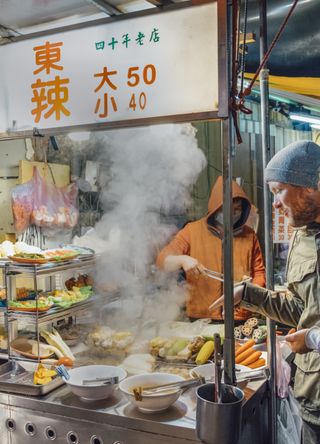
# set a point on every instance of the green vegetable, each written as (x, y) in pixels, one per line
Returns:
(177, 346)
(55, 339)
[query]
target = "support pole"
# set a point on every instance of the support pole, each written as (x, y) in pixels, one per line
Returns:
(267, 206)
(227, 150)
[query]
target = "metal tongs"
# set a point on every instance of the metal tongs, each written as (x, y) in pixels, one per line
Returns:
(213, 274)
(217, 368)
(103, 381)
(220, 277)
(163, 388)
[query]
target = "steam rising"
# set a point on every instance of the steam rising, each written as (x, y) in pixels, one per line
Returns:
(151, 172)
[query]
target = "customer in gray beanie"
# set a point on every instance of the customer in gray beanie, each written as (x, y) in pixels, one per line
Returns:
(297, 164)
(293, 178)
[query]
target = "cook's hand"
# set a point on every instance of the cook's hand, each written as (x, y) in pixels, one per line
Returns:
(297, 341)
(192, 265)
(237, 297)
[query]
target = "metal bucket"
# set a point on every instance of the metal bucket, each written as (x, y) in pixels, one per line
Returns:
(219, 422)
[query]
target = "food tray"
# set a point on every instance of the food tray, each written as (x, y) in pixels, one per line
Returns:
(15, 379)
(31, 309)
(28, 261)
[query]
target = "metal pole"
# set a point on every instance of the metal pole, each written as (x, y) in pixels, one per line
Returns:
(228, 141)
(267, 206)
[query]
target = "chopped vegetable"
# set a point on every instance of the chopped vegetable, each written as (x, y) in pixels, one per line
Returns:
(45, 350)
(43, 375)
(55, 339)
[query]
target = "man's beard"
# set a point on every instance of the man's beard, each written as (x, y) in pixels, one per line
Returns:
(304, 215)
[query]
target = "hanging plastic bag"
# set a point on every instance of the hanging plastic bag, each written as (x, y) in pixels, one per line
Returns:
(283, 369)
(54, 207)
(22, 204)
(289, 422)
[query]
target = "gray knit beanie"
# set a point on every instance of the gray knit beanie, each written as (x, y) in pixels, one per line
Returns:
(296, 164)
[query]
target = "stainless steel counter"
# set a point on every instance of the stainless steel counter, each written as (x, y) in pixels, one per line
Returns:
(61, 417)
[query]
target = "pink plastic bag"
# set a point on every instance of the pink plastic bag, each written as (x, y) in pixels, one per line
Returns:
(53, 207)
(22, 204)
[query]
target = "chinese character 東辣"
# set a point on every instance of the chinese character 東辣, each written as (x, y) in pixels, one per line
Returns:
(49, 95)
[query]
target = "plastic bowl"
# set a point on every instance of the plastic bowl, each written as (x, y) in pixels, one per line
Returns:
(151, 403)
(97, 391)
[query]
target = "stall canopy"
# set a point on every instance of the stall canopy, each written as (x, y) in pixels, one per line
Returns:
(294, 62)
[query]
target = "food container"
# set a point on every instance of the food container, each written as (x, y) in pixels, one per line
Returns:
(155, 402)
(96, 391)
(219, 422)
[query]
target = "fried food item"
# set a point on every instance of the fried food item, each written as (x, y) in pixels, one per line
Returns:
(252, 358)
(196, 344)
(83, 280)
(257, 364)
(244, 355)
(245, 347)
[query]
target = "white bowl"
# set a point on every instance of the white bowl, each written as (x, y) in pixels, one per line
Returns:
(94, 391)
(207, 371)
(151, 403)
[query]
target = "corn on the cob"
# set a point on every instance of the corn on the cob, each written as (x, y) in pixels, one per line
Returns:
(205, 353)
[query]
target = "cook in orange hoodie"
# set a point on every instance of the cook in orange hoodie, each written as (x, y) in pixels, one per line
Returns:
(199, 244)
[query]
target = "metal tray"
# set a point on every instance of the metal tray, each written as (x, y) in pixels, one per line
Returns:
(15, 379)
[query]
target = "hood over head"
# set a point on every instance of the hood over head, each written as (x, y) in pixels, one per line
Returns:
(216, 201)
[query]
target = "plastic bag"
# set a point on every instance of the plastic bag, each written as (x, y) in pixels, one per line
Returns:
(53, 207)
(283, 370)
(22, 204)
(289, 421)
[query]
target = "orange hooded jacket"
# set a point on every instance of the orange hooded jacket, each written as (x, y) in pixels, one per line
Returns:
(202, 240)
